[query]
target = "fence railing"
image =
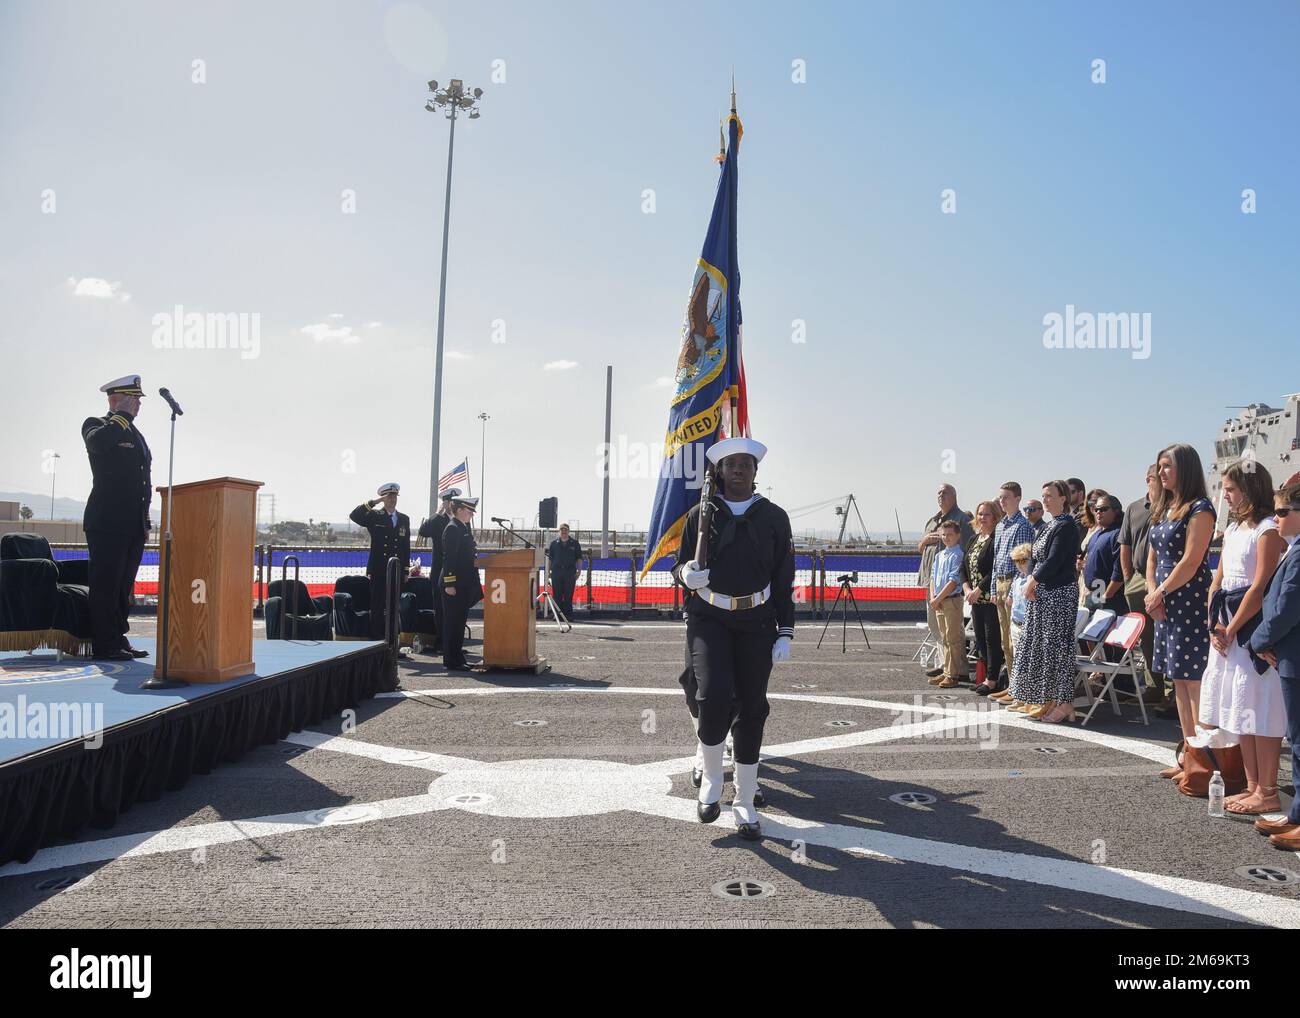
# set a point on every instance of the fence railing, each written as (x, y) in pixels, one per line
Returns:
(881, 579)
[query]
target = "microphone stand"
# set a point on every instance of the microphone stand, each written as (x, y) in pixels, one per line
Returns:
(162, 681)
(501, 523)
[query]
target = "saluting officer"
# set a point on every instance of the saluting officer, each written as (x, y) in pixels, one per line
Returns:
(432, 529)
(459, 582)
(565, 553)
(390, 535)
(739, 622)
(117, 516)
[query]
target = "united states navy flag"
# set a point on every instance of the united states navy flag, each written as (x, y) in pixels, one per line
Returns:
(707, 399)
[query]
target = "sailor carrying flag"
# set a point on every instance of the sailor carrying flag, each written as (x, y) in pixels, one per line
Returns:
(737, 561)
(733, 548)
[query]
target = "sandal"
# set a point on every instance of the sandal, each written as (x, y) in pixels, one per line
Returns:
(1241, 810)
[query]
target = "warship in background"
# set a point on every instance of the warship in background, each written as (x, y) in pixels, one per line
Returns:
(1268, 435)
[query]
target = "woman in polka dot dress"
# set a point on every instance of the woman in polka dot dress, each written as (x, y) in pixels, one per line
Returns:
(1178, 579)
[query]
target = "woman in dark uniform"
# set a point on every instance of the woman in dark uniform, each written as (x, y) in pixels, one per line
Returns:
(461, 588)
(739, 621)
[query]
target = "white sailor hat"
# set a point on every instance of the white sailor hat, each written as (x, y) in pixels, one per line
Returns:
(127, 385)
(391, 488)
(468, 503)
(449, 494)
(732, 446)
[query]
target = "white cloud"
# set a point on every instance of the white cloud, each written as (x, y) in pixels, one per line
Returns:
(101, 288)
(373, 325)
(559, 365)
(323, 333)
(456, 355)
(662, 382)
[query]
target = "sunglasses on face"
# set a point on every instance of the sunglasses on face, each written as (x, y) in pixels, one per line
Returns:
(1285, 511)
(1033, 509)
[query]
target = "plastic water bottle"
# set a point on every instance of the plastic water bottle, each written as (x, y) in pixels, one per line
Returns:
(1216, 795)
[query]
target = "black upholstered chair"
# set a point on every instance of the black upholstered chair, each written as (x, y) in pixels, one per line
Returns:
(352, 608)
(416, 612)
(289, 599)
(43, 603)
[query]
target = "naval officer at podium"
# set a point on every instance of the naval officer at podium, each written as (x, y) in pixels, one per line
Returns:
(461, 587)
(390, 535)
(117, 516)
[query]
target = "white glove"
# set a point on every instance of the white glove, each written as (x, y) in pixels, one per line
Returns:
(781, 649)
(693, 576)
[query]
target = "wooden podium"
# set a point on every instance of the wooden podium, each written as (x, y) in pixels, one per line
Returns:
(210, 638)
(510, 610)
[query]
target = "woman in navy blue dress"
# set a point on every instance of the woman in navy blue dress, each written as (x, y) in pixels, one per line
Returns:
(1178, 579)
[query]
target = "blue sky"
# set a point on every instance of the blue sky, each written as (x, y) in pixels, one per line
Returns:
(924, 330)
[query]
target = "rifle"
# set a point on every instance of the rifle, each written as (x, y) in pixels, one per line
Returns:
(706, 518)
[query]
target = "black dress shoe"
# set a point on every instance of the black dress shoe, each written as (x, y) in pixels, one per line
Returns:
(933, 672)
(750, 832)
(133, 651)
(759, 799)
(708, 811)
(113, 655)
(697, 776)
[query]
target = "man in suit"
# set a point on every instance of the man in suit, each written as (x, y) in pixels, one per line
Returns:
(390, 535)
(1277, 640)
(459, 582)
(117, 516)
(564, 555)
(432, 529)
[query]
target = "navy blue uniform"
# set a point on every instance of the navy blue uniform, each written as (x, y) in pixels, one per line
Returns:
(459, 570)
(730, 652)
(386, 541)
(116, 522)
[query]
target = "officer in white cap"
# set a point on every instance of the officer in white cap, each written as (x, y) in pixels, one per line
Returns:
(117, 515)
(459, 582)
(432, 530)
(390, 535)
(739, 622)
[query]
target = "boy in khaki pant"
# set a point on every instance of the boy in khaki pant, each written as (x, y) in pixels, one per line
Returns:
(945, 599)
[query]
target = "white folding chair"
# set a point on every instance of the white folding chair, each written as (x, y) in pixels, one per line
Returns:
(1123, 636)
(929, 654)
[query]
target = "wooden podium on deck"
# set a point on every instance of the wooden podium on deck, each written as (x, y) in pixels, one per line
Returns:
(210, 637)
(510, 610)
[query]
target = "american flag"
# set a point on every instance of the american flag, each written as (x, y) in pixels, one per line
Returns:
(457, 475)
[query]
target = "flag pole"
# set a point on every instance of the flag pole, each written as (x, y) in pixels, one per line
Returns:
(733, 424)
(468, 483)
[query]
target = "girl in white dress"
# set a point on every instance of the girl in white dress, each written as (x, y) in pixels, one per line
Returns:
(1245, 705)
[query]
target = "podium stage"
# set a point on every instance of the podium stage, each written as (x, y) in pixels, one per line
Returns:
(52, 784)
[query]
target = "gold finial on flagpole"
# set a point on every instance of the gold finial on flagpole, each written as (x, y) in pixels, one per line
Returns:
(733, 90)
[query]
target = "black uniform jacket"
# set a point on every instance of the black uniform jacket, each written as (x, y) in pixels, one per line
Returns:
(746, 553)
(433, 529)
(459, 568)
(385, 540)
(565, 555)
(119, 464)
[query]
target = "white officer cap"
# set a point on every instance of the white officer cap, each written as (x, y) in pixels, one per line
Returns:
(127, 385)
(468, 503)
(449, 494)
(391, 488)
(733, 446)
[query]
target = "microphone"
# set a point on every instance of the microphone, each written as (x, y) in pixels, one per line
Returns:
(176, 407)
(498, 519)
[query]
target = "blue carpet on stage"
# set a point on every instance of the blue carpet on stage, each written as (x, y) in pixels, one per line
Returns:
(103, 694)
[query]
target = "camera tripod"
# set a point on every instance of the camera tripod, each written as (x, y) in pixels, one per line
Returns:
(549, 607)
(843, 598)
